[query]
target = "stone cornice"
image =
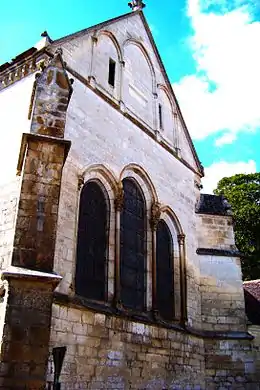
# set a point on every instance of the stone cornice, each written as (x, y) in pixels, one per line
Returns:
(25, 274)
(23, 65)
(147, 318)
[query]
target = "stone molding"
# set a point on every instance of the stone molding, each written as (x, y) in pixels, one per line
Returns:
(30, 62)
(13, 272)
(147, 318)
(218, 252)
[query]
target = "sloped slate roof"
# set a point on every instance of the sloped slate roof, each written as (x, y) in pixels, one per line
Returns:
(213, 204)
(252, 300)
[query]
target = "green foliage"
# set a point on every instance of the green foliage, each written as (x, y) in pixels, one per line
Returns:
(243, 193)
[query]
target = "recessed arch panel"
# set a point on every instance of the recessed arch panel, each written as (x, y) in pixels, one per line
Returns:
(139, 82)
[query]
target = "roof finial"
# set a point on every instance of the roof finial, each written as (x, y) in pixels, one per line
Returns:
(136, 5)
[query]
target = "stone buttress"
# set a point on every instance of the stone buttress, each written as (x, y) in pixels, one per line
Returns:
(29, 282)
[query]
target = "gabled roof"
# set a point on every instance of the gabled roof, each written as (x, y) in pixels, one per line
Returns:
(92, 28)
(149, 33)
(159, 59)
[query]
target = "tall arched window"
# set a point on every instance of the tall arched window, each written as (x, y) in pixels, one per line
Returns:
(132, 247)
(91, 266)
(164, 271)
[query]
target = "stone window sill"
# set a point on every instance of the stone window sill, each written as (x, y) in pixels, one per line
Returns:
(106, 308)
(146, 318)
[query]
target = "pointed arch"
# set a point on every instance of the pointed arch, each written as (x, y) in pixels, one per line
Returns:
(142, 177)
(114, 40)
(100, 170)
(133, 41)
(168, 94)
(169, 213)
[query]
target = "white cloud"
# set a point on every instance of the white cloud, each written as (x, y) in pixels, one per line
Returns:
(224, 94)
(226, 138)
(217, 171)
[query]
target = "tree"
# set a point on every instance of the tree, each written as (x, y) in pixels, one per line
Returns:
(243, 193)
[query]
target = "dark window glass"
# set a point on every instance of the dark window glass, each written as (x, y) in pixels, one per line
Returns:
(112, 72)
(132, 252)
(164, 274)
(91, 266)
(160, 116)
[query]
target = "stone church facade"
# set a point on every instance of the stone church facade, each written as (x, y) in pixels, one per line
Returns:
(107, 246)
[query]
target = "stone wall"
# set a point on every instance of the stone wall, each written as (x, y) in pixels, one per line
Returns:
(9, 197)
(108, 352)
(222, 297)
(215, 231)
(254, 330)
(221, 289)
(230, 364)
(96, 132)
(140, 82)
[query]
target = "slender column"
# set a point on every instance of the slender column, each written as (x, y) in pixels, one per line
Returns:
(181, 241)
(155, 217)
(91, 67)
(118, 208)
(72, 288)
(176, 132)
(121, 80)
(155, 113)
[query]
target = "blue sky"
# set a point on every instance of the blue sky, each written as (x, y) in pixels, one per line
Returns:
(210, 49)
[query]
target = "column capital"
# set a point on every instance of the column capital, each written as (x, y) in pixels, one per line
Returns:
(155, 215)
(119, 198)
(181, 239)
(80, 181)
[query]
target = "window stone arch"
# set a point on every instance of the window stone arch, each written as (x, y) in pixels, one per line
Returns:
(141, 177)
(133, 246)
(106, 179)
(178, 259)
(92, 242)
(164, 271)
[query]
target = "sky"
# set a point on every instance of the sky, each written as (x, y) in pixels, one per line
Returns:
(210, 49)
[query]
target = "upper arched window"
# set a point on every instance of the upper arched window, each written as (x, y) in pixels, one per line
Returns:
(132, 247)
(91, 266)
(164, 271)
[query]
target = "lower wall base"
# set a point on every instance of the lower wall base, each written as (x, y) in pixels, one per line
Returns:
(108, 352)
(231, 364)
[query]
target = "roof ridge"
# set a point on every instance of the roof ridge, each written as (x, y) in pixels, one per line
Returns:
(90, 28)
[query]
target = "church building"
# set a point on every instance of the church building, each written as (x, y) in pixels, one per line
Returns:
(116, 272)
